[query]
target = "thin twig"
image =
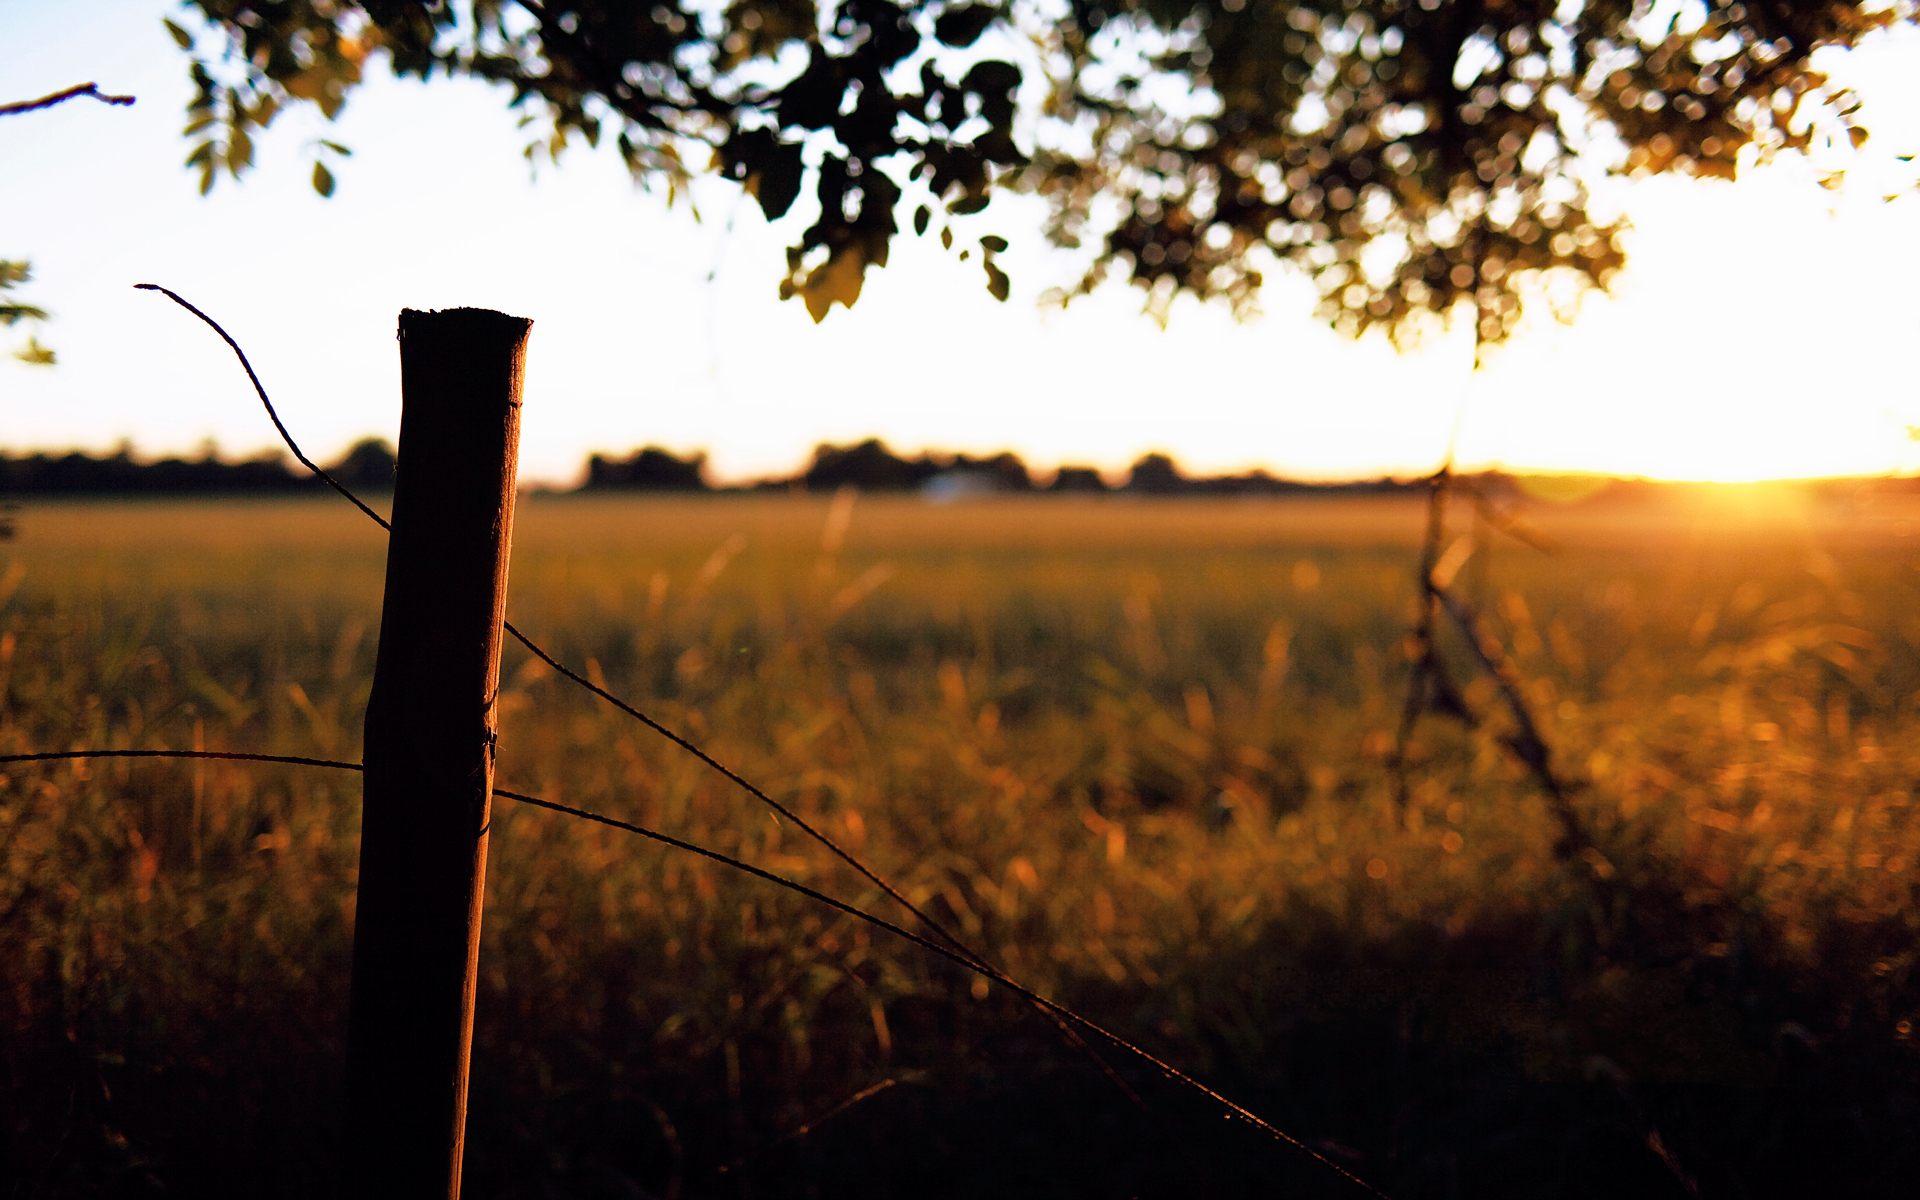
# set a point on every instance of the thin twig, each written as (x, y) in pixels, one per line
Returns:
(1527, 744)
(955, 956)
(61, 97)
(1431, 686)
(1427, 668)
(260, 391)
(1511, 524)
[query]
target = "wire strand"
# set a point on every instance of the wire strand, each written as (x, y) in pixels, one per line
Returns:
(955, 950)
(1172, 1072)
(218, 755)
(955, 956)
(261, 391)
(757, 793)
(540, 653)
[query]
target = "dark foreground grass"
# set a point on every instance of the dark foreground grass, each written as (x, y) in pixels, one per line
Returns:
(1135, 751)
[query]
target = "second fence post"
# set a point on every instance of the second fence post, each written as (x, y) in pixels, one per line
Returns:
(429, 752)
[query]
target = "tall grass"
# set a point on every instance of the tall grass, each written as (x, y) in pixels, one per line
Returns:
(1135, 751)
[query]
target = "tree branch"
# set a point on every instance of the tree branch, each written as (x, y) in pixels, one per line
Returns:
(61, 97)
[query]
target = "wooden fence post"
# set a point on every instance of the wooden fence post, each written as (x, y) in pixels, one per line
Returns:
(429, 753)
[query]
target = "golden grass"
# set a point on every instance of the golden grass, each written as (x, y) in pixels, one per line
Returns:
(1134, 750)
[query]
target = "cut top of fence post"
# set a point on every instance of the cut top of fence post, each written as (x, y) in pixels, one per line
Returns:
(461, 372)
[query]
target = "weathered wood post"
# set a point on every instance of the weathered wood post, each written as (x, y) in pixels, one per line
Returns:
(429, 752)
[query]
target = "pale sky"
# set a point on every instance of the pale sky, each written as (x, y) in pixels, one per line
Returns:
(1763, 329)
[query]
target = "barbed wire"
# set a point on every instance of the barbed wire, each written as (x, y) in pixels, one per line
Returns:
(226, 755)
(957, 957)
(1066, 1020)
(261, 392)
(818, 835)
(1032, 997)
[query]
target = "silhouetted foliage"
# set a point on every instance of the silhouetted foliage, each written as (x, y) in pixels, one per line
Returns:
(679, 85)
(649, 469)
(1412, 156)
(1408, 155)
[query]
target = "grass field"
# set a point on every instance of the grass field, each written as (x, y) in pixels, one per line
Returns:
(1136, 750)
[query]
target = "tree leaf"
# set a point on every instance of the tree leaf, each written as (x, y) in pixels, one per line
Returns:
(998, 285)
(239, 151)
(36, 354)
(779, 178)
(838, 279)
(921, 216)
(322, 179)
(181, 37)
(812, 100)
(946, 238)
(962, 25)
(994, 243)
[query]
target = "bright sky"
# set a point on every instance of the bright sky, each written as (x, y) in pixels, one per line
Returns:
(1763, 329)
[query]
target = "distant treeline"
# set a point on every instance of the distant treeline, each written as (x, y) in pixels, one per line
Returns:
(367, 467)
(871, 466)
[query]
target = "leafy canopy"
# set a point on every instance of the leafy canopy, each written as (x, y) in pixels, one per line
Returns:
(1408, 155)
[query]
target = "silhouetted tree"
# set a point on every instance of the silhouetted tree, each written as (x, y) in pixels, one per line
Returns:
(868, 465)
(1156, 475)
(650, 469)
(1408, 155)
(1077, 479)
(368, 465)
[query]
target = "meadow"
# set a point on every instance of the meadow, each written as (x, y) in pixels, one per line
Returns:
(1137, 751)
